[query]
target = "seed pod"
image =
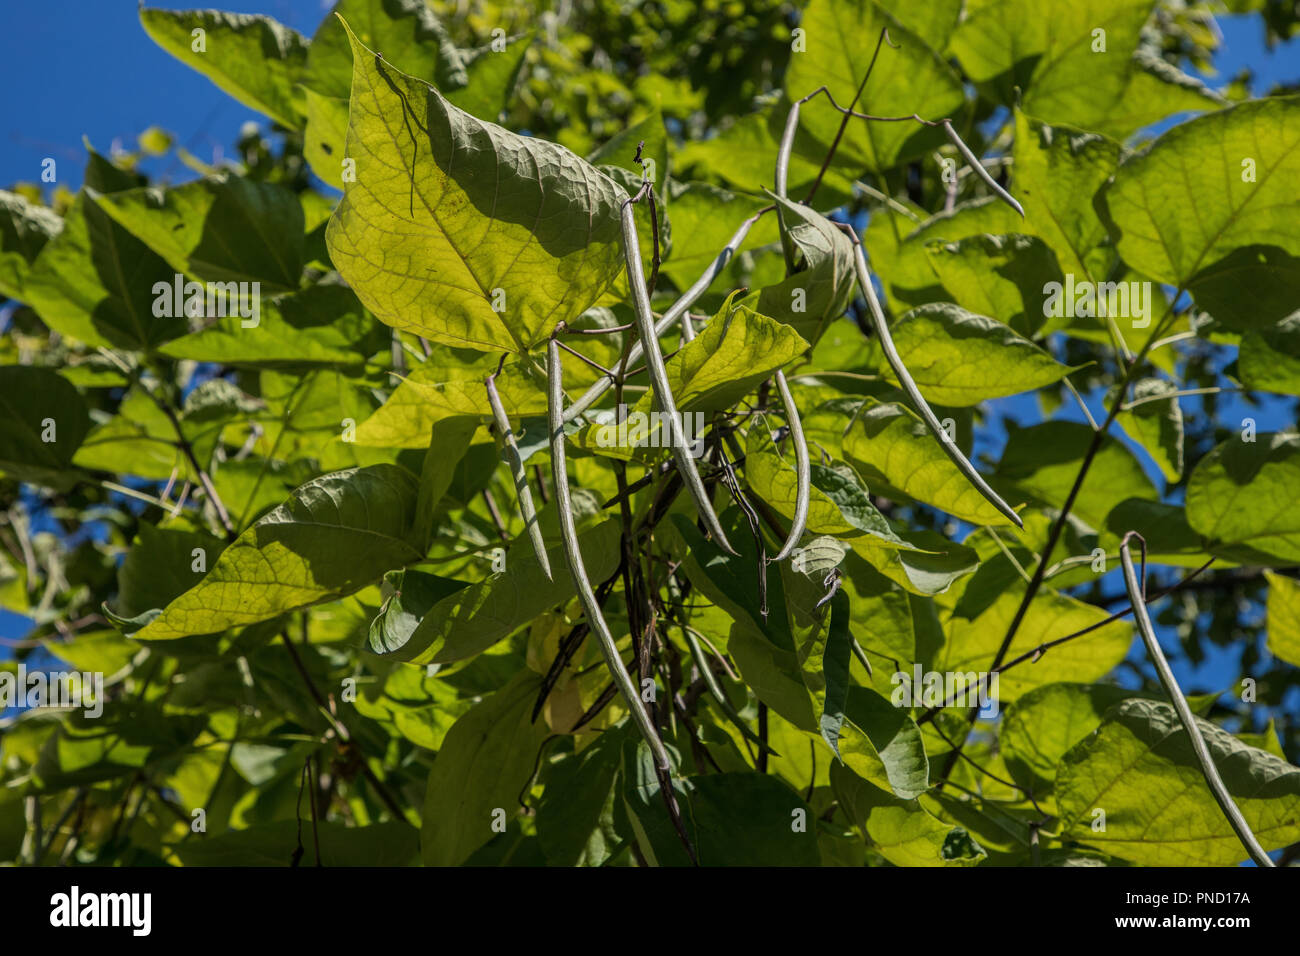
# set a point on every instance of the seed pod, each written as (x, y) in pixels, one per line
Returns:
(675, 312)
(659, 379)
(522, 489)
(782, 175)
(578, 569)
(802, 467)
(978, 169)
(1200, 749)
(918, 400)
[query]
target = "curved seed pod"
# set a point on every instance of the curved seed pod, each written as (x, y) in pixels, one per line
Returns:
(1185, 716)
(803, 471)
(675, 312)
(516, 462)
(918, 400)
(978, 168)
(782, 177)
(659, 379)
(802, 467)
(573, 557)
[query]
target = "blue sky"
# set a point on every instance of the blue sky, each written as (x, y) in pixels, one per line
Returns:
(85, 68)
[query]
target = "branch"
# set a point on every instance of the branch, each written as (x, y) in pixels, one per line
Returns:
(339, 727)
(1046, 646)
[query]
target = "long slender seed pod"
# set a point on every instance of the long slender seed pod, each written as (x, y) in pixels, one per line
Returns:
(577, 568)
(522, 489)
(802, 467)
(978, 169)
(675, 312)
(711, 681)
(803, 472)
(918, 400)
(1199, 747)
(659, 379)
(782, 177)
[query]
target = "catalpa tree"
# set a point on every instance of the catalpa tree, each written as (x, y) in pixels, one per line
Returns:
(787, 433)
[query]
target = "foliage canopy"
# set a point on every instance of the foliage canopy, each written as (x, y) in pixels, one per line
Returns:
(556, 439)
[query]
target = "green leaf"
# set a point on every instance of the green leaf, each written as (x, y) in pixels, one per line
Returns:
(405, 31)
(335, 535)
(1140, 769)
(491, 77)
(128, 735)
(972, 643)
(444, 388)
(137, 440)
(449, 441)
(736, 350)
(823, 652)
(902, 831)
(837, 503)
(321, 325)
(897, 456)
(274, 844)
(1271, 275)
(255, 59)
(43, 421)
(1043, 461)
(575, 822)
(958, 358)
(447, 210)
(845, 489)
(411, 595)
(744, 156)
(473, 618)
(485, 762)
(1057, 171)
(163, 564)
(1040, 726)
(746, 819)
(899, 248)
(1270, 360)
(819, 293)
(25, 228)
(1170, 539)
(1080, 66)
(909, 78)
(1212, 187)
(1283, 617)
(620, 150)
(932, 22)
(927, 563)
(1157, 424)
(998, 276)
(1241, 497)
(221, 229)
(878, 741)
(325, 136)
(705, 217)
(95, 281)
